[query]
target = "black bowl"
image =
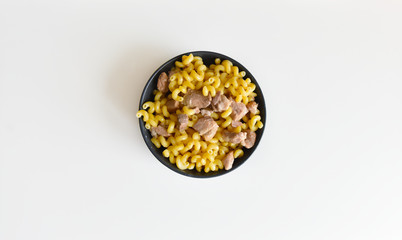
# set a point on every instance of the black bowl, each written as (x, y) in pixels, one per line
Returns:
(147, 95)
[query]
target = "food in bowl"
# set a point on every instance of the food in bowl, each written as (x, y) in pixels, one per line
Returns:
(202, 116)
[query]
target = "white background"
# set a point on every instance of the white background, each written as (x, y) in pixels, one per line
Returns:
(73, 164)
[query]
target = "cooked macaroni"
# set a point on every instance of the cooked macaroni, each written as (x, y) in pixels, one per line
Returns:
(185, 147)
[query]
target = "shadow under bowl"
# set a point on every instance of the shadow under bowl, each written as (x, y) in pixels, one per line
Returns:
(147, 95)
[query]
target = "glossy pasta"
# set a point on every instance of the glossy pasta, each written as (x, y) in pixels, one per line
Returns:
(186, 148)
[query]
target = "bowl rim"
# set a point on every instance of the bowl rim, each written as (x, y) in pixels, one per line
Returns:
(166, 162)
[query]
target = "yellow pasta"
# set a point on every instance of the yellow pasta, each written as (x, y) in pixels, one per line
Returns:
(194, 158)
(186, 76)
(143, 114)
(237, 129)
(156, 142)
(209, 74)
(197, 76)
(219, 164)
(196, 136)
(208, 89)
(191, 166)
(165, 112)
(177, 148)
(149, 105)
(228, 65)
(170, 128)
(239, 98)
(189, 145)
(153, 122)
(181, 165)
(181, 138)
(235, 71)
(179, 64)
(213, 148)
(204, 146)
(238, 153)
(188, 84)
(173, 85)
(187, 59)
(189, 68)
(163, 141)
(159, 118)
(166, 153)
(252, 122)
(187, 149)
(148, 126)
(197, 147)
(227, 122)
(175, 95)
(215, 116)
(172, 159)
(188, 111)
(217, 83)
(172, 140)
(223, 150)
(219, 68)
(191, 123)
(226, 113)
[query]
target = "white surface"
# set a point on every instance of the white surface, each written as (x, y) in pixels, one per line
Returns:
(73, 164)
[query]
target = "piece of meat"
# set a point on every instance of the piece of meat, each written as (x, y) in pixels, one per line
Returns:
(195, 99)
(206, 127)
(233, 137)
(220, 102)
(211, 133)
(183, 121)
(239, 110)
(228, 160)
(163, 83)
(159, 130)
(252, 107)
(236, 123)
(172, 105)
(206, 112)
(250, 139)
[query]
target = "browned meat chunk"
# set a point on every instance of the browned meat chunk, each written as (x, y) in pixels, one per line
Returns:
(159, 130)
(220, 102)
(206, 127)
(195, 99)
(236, 123)
(252, 107)
(228, 160)
(163, 84)
(206, 112)
(172, 105)
(239, 110)
(211, 133)
(233, 137)
(183, 121)
(250, 139)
